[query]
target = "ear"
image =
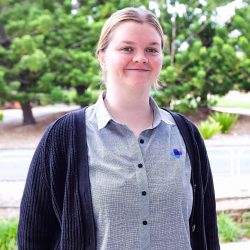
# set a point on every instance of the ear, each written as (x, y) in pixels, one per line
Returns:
(101, 59)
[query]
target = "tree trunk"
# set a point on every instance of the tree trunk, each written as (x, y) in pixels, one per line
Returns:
(172, 50)
(3, 40)
(28, 117)
(80, 89)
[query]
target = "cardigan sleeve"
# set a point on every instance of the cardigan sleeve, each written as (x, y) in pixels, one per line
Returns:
(51, 201)
(210, 216)
(38, 224)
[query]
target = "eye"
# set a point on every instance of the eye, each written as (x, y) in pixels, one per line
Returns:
(152, 50)
(127, 49)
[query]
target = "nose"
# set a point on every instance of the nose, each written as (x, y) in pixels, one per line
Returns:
(140, 58)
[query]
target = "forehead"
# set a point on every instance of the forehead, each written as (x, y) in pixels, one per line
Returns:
(134, 31)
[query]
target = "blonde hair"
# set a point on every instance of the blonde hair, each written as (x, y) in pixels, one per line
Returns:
(138, 15)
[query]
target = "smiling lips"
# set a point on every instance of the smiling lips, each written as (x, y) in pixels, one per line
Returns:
(139, 70)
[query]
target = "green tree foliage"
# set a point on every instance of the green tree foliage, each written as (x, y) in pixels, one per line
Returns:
(241, 42)
(201, 57)
(47, 51)
(47, 48)
(28, 35)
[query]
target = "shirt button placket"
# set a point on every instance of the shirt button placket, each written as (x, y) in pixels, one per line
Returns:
(140, 165)
(141, 141)
(144, 199)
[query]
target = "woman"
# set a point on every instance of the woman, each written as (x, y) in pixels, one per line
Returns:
(125, 180)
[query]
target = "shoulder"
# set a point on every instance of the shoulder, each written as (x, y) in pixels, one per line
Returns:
(60, 133)
(192, 128)
(66, 122)
(167, 117)
(175, 115)
(61, 126)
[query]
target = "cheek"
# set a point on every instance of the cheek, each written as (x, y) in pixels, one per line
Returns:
(118, 61)
(157, 63)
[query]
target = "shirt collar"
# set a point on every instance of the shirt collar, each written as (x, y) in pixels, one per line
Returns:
(103, 116)
(158, 115)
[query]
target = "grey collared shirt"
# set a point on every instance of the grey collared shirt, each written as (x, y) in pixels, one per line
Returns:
(141, 191)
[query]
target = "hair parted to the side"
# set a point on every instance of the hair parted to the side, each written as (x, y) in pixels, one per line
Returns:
(138, 15)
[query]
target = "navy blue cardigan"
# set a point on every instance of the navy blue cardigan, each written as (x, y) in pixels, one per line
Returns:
(56, 209)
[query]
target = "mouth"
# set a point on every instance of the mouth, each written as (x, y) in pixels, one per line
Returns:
(139, 70)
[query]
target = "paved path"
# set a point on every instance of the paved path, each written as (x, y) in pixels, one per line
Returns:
(10, 115)
(245, 245)
(233, 111)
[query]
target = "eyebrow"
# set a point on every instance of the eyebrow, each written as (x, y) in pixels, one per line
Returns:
(130, 42)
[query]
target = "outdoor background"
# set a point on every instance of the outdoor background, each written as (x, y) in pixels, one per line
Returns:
(48, 68)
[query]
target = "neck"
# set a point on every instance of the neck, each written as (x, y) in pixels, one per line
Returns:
(132, 110)
(127, 103)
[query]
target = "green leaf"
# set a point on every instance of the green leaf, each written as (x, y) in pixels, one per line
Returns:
(35, 62)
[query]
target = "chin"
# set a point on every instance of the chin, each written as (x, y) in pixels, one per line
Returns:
(141, 85)
(139, 81)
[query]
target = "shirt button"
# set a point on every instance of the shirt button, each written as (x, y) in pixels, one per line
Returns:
(144, 193)
(141, 141)
(145, 222)
(140, 165)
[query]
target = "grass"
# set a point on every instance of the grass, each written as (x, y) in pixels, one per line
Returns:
(227, 103)
(226, 120)
(232, 227)
(209, 128)
(234, 100)
(8, 231)
(229, 231)
(246, 224)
